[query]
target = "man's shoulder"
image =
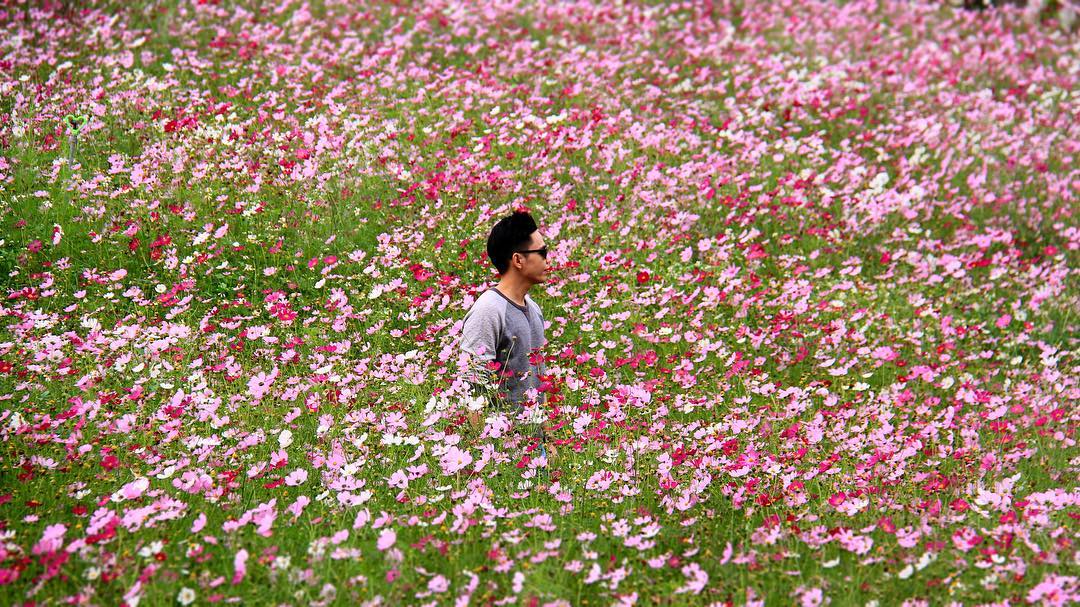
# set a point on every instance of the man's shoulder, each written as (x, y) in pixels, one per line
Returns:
(488, 302)
(531, 303)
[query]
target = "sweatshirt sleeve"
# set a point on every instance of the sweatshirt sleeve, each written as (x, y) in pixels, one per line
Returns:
(542, 368)
(480, 332)
(479, 338)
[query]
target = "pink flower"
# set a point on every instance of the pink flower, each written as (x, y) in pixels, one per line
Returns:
(1055, 590)
(296, 477)
(239, 566)
(386, 539)
(810, 597)
(399, 480)
(438, 584)
(297, 507)
(454, 460)
(134, 489)
(696, 579)
(362, 518)
(884, 353)
(52, 540)
(260, 383)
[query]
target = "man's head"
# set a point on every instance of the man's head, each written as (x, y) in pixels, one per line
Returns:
(515, 246)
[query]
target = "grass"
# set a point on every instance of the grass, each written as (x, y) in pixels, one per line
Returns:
(363, 207)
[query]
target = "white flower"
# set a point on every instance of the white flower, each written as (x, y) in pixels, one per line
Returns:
(149, 551)
(906, 572)
(186, 596)
(15, 421)
(918, 156)
(474, 404)
(285, 438)
(924, 560)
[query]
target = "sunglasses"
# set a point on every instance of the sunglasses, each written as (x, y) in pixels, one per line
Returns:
(542, 251)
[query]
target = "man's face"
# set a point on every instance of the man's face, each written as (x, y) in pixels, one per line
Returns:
(532, 266)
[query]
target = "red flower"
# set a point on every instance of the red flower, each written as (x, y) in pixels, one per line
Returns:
(886, 524)
(756, 252)
(110, 462)
(642, 277)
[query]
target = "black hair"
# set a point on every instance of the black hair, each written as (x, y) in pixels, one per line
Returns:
(509, 235)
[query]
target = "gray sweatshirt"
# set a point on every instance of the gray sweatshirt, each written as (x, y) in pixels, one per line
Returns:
(497, 329)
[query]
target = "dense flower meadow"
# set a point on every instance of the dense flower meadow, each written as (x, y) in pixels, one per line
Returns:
(813, 328)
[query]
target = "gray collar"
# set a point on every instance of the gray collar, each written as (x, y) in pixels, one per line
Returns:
(524, 308)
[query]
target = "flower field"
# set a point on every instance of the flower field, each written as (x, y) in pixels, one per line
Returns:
(812, 330)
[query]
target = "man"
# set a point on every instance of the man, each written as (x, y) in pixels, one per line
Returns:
(504, 329)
